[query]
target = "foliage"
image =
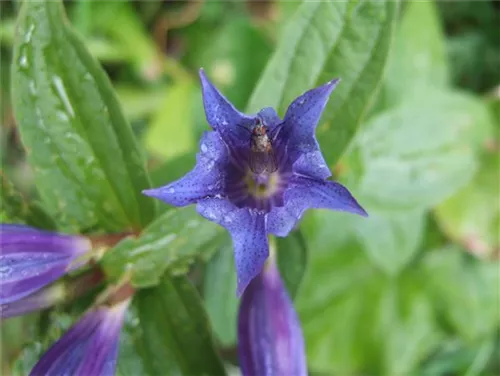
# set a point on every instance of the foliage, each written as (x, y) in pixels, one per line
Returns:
(105, 98)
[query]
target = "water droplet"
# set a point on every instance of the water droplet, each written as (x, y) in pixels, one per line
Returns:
(210, 214)
(171, 190)
(23, 61)
(5, 271)
(204, 148)
(32, 87)
(59, 85)
(228, 219)
(223, 122)
(192, 223)
(29, 33)
(62, 116)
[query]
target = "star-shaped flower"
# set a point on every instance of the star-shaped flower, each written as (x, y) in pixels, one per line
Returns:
(257, 174)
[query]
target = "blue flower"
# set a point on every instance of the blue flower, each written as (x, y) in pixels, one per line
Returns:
(31, 259)
(90, 347)
(257, 174)
(270, 340)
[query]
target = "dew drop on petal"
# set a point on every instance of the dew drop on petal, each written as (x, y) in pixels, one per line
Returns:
(171, 190)
(204, 148)
(5, 271)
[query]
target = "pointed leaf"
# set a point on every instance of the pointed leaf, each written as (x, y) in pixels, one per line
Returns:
(177, 336)
(88, 166)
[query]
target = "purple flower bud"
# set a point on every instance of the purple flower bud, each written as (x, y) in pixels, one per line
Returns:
(31, 259)
(90, 347)
(257, 174)
(57, 292)
(270, 341)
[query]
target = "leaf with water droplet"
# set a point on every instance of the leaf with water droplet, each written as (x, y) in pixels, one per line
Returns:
(171, 242)
(87, 163)
(176, 333)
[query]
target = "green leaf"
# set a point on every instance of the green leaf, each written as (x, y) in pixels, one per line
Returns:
(405, 326)
(220, 294)
(171, 242)
(414, 156)
(355, 319)
(325, 40)
(471, 217)
(418, 59)
(391, 240)
(170, 133)
(16, 209)
(466, 291)
(176, 332)
(88, 167)
(292, 260)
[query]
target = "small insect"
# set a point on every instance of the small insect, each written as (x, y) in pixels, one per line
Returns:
(262, 157)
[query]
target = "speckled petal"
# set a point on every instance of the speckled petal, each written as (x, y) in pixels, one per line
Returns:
(204, 180)
(31, 259)
(305, 193)
(270, 340)
(247, 229)
(88, 348)
(301, 119)
(232, 125)
(269, 118)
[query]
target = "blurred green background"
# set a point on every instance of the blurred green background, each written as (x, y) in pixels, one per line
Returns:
(414, 289)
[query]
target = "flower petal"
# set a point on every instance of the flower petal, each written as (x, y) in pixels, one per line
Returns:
(233, 126)
(269, 117)
(301, 119)
(52, 294)
(40, 299)
(247, 229)
(88, 348)
(305, 193)
(31, 259)
(206, 179)
(270, 340)
(312, 164)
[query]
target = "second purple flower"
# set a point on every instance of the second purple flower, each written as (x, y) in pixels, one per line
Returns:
(257, 174)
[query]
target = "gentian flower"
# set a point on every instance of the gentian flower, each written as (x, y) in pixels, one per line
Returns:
(90, 347)
(57, 292)
(31, 259)
(270, 340)
(257, 174)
